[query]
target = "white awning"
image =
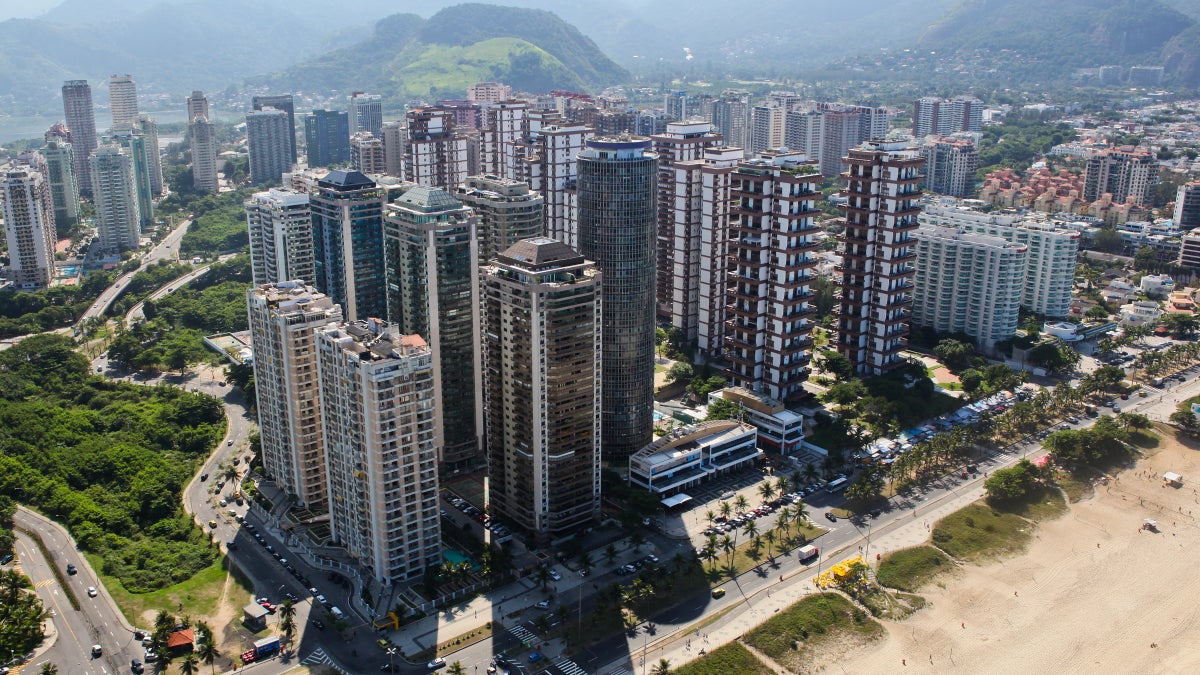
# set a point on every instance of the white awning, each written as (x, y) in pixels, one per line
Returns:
(676, 500)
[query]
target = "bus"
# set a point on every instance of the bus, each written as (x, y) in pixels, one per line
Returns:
(837, 484)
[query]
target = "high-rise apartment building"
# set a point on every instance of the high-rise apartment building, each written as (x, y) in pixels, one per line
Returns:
(347, 219)
(968, 283)
(1187, 206)
(284, 320)
(434, 154)
(678, 106)
(377, 411)
(713, 259)
(114, 190)
(680, 153)
(1127, 173)
(549, 166)
(880, 215)
(64, 187)
(135, 143)
(508, 212)
(149, 130)
(366, 154)
(285, 103)
(766, 128)
(197, 106)
(122, 96)
(489, 92)
(81, 120)
(269, 139)
(950, 164)
(731, 118)
(203, 135)
(395, 137)
(1050, 265)
(28, 212)
(802, 132)
(841, 130)
(542, 327)
(431, 250)
(773, 246)
(617, 184)
(281, 237)
(366, 114)
(327, 137)
(932, 115)
(504, 126)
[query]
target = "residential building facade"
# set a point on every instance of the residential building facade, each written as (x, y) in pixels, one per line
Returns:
(1187, 206)
(122, 97)
(203, 137)
(64, 185)
(269, 140)
(281, 237)
(81, 120)
(950, 165)
(366, 114)
(347, 218)
(508, 212)
(285, 103)
(434, 154)
(1127, 173)
(28, 212)
(114, 190)
(366, 154)
(327, 137)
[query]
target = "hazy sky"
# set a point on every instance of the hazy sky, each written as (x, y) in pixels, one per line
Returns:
(24, 9)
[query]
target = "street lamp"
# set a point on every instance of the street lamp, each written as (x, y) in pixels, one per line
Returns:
(391, 652)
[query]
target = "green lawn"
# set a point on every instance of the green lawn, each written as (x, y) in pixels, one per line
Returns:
(979, 532)
(1044, 504)
(200, 596)
(908, 569)
(731, 658)
(790, 635)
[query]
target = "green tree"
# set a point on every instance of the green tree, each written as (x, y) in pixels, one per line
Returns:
(1186, 420)
(1012, 483)
(954, 354)
(836, 364)
(724, 409)
(190, 665)
(1108, 240)
(680, 371)
(867, 488)
(457, 668)
(1145, 259)
(48, 669)
(1096, 313)
(663, 667)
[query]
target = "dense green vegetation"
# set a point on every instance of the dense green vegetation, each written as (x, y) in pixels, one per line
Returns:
(49, 308)
(1019, 142)
(21, 614)
(219, 225)
(146, 282)
(7, 508)
(172, 336)
(730, 658)
(108, 459)
(908, 569)
(826, 618)
(978, 531)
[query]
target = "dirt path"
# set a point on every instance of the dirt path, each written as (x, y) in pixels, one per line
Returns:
(1092, 594)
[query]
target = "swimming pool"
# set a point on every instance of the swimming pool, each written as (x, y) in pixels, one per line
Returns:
(455, 557)
(659, 416)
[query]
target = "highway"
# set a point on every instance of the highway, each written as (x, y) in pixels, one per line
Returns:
(165, 249)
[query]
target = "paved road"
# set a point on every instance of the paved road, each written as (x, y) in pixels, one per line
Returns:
(165, 249)
(98, 620)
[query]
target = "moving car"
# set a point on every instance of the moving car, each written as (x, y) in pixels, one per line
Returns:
(92, 592)
(71, 570)
(718, 593)
(97, 651)
(439, 662)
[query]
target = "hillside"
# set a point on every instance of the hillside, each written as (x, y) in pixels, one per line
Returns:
(1055, 37)
(407, 57)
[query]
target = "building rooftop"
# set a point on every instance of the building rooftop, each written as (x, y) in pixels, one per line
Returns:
(348, 180)
(429, 199)
(540, 252)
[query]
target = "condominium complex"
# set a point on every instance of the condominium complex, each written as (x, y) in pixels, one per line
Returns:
(508, 212)
(711, 263)
(432, 261)
(434, 154)
(968, 283)
(731, 118)
(366, 154)
(880, 215)
(1127, 173)
(203, 135)
(549, 167)
(941, 116)
(284, 320)
(950, 165)
(377, 410)
(1187, 206)
(542, 326)
(281, 237)
(197, 105)
(366, 114)
(327, 137)
(29, 228)
(1050, 265)
(504, 126)
(1189, 251)
(269, 139)
(64, 186)
(489, 92)
(133, 141)
(114, 187)
(616, 186)
(122, 96)
(285, 103)
(766, 127)
(347, 218)
(772, 244)
(81, 120)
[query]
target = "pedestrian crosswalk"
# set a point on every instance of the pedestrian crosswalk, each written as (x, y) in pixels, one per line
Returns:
(624, 670)
(523, 634)
(569, 667)
(318, 657)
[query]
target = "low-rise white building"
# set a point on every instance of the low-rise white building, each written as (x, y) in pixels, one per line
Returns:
(1140, 313)
(1157, 285)
(779, 429)
(690, 454)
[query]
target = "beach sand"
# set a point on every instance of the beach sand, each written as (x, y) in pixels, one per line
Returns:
(1092, 593)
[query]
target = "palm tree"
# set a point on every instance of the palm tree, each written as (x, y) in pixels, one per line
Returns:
(585, 562)
(662, 668)
(287, 625)
(726, 509)
(728, 546)
(231, 473)
(709, 552)
(189, 665)
(457, 668)
(799, 513)
(710, 517)
(543, 576)
(769, 537)
(766, 490)
(810, 472)
(784, 521)
(741, 503)
(750, 529)
(610, 552)
(783, 485)
(48, 669)
(636, 539)
(207, 651)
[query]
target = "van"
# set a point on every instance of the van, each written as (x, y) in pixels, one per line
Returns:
(807, 553)
(337, 613)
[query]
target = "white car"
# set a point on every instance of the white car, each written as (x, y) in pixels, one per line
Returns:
(97, 651)
(555, 575)
(321, 599)
(92, 592)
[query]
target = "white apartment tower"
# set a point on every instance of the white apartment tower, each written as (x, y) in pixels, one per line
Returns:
(881, 191)
(269, 144)
(508, 212)
(203, 137)
(950, 165)
(29, 228)
(64, 187)
(802, 132)
(716, 217)
(968, 283)
(504, 125)
(114, 190)
(281, 237)
(81, 120)
(149, 129)
(122, 96)
(1050, 265)
(377, 409)
(489, 92)
(932, 115)
(366, 154)
(680, 162)
(550, 168)
(766, 128)
(772, 245)
(434, 154)
(284, 320)
(395, 137)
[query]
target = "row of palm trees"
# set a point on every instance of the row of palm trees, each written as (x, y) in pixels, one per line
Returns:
(1169, 360)
(21, 614)
(787, 517)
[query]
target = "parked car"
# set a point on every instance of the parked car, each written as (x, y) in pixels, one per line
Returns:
(555, 575)
(544, 604)
(439, 662)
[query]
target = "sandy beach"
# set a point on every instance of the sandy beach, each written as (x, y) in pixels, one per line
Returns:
(1092, 593)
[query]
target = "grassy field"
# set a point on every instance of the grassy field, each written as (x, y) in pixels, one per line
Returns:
(200, 596)
(979, 532)
(1044, 505)
(793, 635)
(732, 658)
(908, 569)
